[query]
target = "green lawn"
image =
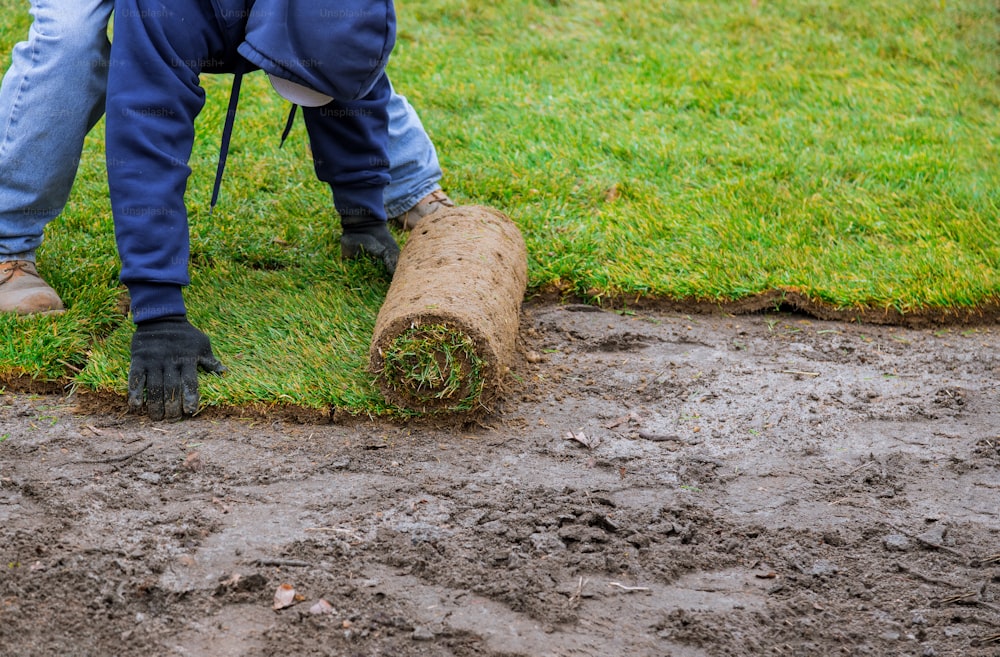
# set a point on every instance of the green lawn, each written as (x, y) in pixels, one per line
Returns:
(704, 151)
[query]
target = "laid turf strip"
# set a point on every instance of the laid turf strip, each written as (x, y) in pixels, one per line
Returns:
(840, 158)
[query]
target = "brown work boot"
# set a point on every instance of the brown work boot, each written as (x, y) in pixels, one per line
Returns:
(23, 291)
(425, 206)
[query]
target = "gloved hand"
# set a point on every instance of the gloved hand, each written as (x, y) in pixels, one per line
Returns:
(166, 355)
(373, 240)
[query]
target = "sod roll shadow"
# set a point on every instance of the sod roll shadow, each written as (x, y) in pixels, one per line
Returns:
(446, 333)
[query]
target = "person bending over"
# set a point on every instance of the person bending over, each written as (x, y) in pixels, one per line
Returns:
(329, 57)
(53, 93)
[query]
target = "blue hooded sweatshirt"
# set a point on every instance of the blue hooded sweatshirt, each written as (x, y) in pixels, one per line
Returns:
(160, 48)
(337, 48)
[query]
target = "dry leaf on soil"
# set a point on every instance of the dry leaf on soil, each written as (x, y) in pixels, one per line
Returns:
(321, 607)
(580, 437)
(284, 597)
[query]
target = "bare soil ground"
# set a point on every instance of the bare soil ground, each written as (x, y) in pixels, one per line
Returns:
(656, 484)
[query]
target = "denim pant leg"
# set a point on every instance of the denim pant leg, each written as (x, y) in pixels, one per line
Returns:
(51, 96)
(413, 162)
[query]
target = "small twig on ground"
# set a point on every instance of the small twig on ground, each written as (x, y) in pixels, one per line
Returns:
(931, 544)
(574, 599)
(290, 563)
(505, 441)
(800, 373)
(925, 578)
(966, 597)
(985, 561)
(336, 530)
(660, 437)
(969, 598)
(113, 459)
(986, 640)
(861, 467)
(69, 366)
(628, 589)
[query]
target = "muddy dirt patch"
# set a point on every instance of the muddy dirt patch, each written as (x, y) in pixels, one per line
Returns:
(661, 484)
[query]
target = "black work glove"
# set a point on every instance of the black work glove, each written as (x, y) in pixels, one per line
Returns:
(166, 355)
(373, 240)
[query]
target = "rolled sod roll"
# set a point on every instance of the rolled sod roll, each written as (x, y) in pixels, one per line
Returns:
(446, 334)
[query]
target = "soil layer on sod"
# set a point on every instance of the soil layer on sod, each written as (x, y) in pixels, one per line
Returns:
(446, 334)
(986, 316)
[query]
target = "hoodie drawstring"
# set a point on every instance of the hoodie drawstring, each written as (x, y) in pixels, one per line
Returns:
(227, 130)
(288, 125)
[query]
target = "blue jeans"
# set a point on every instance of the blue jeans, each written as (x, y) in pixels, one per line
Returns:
(53, 94)
(413, 162)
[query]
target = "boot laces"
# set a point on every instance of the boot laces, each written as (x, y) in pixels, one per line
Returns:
(8, 269)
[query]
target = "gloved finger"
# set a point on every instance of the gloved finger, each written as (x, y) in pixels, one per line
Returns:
(189, 385)
(136, 388)
(355, 245)
(390, 258)
(172, 395)
(154, 394)
(350, 247)
(210, 363)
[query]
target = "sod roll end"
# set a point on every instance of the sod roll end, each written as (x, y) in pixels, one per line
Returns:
(447, 332)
